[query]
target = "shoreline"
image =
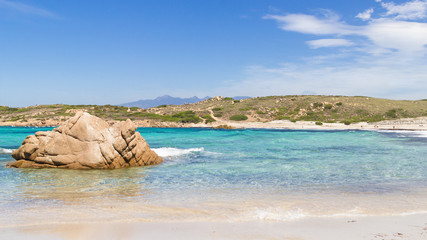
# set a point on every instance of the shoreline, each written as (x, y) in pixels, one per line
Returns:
(409, 124)
(321, 228)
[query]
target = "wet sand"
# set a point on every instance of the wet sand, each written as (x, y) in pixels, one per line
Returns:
(410, 227)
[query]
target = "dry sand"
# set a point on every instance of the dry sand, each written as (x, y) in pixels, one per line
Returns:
(411, 124)
(414, 124)
(410, 227)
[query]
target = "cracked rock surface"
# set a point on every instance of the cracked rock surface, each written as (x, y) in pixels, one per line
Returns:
(85, 142)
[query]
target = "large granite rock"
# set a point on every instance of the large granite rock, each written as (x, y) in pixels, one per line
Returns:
(85, 142)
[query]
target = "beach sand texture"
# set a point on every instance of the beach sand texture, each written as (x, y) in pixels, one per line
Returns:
(413, 227)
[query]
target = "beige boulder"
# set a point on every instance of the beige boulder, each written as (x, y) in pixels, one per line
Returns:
(85, 142)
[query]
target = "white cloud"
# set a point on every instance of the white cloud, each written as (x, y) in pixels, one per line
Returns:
(312, 25)
(27, 9)
(373, 79)
(366, 15)
(409, 38)
(383, 57)
(404, 37)
(412, 10)
(329, 42)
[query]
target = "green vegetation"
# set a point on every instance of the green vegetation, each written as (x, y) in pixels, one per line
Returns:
(328, 106)
(346, 122)
(208, 118)
(319, 123)
(187, 117)
(322, 109)
(239, 117)
(245, 109)
(391, 113)
(317, 105)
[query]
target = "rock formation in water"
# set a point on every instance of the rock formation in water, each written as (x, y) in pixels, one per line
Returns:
(85, 142)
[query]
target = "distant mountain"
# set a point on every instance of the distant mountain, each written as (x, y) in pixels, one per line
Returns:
(240, 97)
(163, 100)
(168, 100)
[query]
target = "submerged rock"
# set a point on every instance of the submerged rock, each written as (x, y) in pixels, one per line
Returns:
(85, 142)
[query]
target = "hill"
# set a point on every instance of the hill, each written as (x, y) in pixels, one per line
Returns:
(168, 100)
(322, 109)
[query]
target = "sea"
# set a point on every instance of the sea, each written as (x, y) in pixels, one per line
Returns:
(217, 175)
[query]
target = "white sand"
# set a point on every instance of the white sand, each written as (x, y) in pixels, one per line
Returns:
(411, 227)
(415, 124)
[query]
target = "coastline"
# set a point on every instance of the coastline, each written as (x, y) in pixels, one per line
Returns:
(407, 124)
(407, 227)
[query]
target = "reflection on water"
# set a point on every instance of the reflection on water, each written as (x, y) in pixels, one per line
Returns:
(77, 185)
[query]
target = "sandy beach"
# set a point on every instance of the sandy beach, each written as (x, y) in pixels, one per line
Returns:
(410, 227)
(410, 124)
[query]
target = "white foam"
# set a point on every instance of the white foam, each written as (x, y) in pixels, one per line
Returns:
(6, 151)
(175, 152)
(278, 214)
(407, 133)
(422, 134)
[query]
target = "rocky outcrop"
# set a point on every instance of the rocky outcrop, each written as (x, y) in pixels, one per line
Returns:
(85, 142)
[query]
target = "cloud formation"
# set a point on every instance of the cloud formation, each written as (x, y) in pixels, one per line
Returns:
(387, 33)
(413, 10)
(366, 15)
(385, 56)
(26, 9)
(329, 42)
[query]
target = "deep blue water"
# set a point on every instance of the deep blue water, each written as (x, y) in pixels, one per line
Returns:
(230, 174)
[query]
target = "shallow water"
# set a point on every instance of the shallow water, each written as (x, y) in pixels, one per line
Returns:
(227, 175)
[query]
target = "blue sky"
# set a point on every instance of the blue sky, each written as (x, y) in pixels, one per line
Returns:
(111, 52)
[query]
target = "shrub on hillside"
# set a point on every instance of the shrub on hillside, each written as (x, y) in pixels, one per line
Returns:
(317, 105)
(208, 118)
(187, 117)
(346, 122)
(391, 113)
(238, 117)
(328, 106)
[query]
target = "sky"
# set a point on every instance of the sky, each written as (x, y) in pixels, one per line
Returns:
(112, 52)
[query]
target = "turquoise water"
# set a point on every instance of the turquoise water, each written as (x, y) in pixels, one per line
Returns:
(227, 175)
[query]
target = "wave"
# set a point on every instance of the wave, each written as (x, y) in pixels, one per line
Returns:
(406, 133)
(422, 134)
(169, 152)
(277, 214)
(6, 151)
